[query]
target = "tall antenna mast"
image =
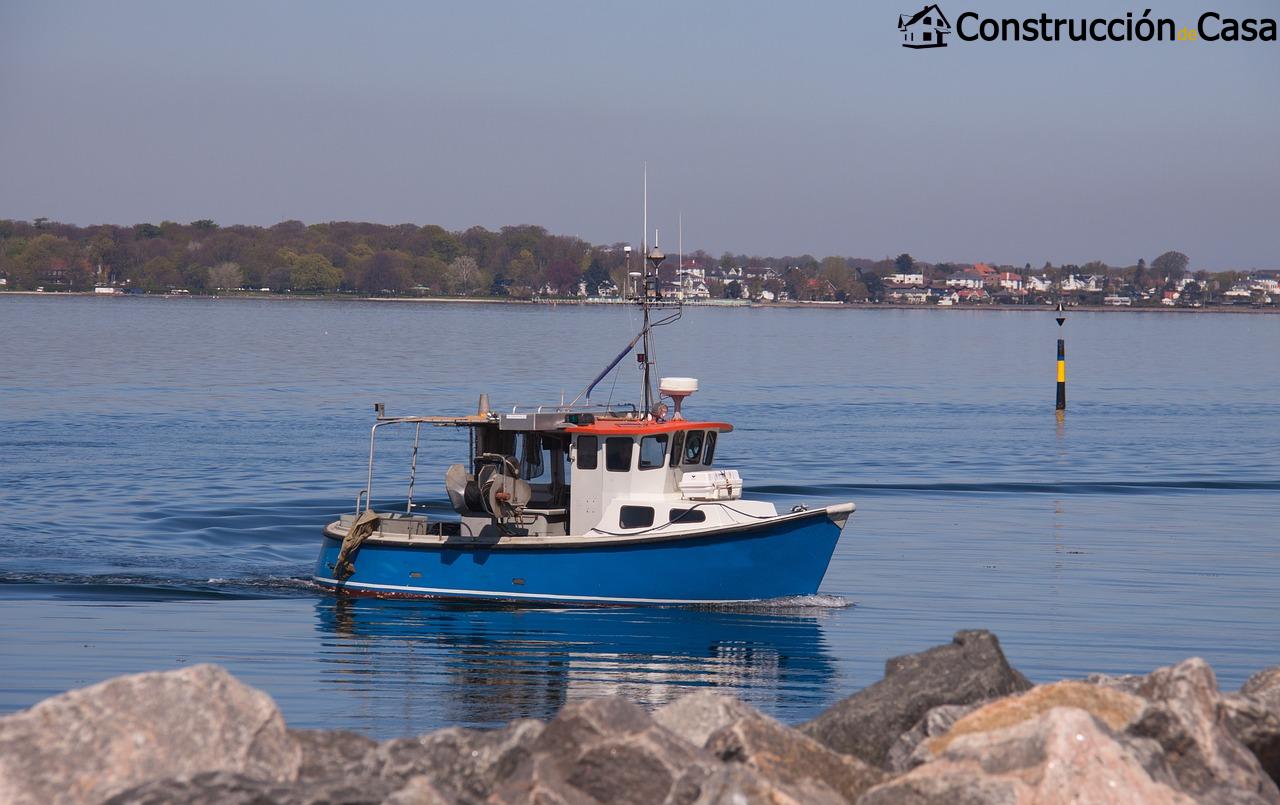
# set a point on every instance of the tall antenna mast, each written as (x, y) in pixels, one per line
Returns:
(650, 291)
(680, 250)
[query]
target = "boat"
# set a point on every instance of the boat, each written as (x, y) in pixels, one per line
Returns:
(584, 504)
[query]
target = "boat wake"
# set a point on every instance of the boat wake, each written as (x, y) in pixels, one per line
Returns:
(123, 587)
(791, 604)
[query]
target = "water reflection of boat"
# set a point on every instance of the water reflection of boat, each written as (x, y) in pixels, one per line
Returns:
(430, 664)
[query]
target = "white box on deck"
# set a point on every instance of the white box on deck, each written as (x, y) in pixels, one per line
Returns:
(711, 485)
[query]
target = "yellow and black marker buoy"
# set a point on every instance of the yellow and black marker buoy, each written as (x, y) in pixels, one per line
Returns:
(1062, 365)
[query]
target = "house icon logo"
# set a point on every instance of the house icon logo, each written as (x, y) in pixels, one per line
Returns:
(927, 28)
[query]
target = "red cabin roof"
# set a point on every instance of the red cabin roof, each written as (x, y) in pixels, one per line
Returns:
(645, 427)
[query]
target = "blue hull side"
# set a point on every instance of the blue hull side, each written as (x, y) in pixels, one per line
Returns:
(773, 561)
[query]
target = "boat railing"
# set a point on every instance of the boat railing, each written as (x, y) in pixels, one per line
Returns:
(417, 421)
(574, 408)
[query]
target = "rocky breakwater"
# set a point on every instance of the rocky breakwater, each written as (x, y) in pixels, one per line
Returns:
(954, 724)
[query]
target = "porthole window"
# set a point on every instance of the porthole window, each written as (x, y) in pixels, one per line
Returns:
(682, 516)
(635, 516)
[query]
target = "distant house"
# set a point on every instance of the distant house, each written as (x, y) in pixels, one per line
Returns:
(1009, 280)
(912, 278)
(1038, 284)
(966, 279)
(1075, 282)
(927, 28)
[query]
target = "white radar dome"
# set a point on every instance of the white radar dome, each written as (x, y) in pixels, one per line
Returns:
(677, 388)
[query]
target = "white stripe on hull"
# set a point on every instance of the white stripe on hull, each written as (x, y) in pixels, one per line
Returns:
(547, 597)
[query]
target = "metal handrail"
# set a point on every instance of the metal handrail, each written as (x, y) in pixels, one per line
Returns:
(574, 408)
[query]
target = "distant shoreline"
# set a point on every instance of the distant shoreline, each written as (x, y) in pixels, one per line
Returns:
(728, 303)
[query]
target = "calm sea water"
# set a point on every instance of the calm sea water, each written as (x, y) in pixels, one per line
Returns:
(166, 467)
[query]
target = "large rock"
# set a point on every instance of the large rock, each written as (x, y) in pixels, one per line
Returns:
(1113, 707)
(89, 744)
(1257, 726)
(695, 716)
(789, 757)
(1264, 686)
(969, 669)
(1062, 755)
(911, 749)
(226, 788)
(736, 784)
(608, 750)
(1116, 709)
(333, 754)
(1253, 716)
(1186, 716)
(463, 764)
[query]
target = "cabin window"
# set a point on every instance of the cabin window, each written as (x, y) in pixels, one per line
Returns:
(617, 453)
(635, 516)
(653, 451)
(710, 452)
(677, 447)
(693, 447)
(688, 516)
(588, 452)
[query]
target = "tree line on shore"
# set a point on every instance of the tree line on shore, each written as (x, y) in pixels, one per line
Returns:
(521, 261)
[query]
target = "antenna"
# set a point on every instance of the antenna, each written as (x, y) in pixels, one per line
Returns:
(644, 231)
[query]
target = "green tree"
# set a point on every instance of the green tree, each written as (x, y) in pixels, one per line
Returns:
(312, 273)
(225, 276)
(160, 274)
(1171, 265)
(594, 276)
(464, 277)
(834, 276)
(385, 273)
(904, 263)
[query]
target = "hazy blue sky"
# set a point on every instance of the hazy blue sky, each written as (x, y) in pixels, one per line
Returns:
(777, 128)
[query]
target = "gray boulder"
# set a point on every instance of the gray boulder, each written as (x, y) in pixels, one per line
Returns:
(1062, 755)
(227, 788)
(1257, 726)
(90, 744)
(735, 784)
(910, 750)
(463, 764)
(608, 750)
(695, 716)
(969, 669)
(1264, 686)
(330, 754)
(1186, 716)
(1253, 716)
(790, 758)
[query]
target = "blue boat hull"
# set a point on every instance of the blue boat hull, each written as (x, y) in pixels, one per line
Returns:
(772, 560)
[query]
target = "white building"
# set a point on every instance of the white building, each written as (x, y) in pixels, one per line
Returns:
(1009, 280)
(966, 279)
